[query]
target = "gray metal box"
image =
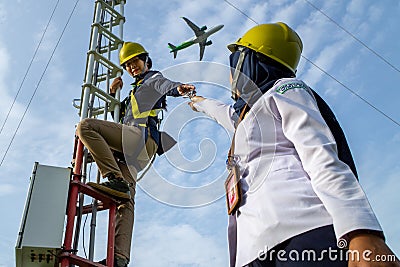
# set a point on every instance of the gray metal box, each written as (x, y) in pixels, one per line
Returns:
(42, 224)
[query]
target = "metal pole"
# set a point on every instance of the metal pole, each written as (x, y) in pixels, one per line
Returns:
(89, 92)
(71, 211)
(90, 65)
(121, 36)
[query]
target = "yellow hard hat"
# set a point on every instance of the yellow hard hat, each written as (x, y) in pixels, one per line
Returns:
(275, 40)
(130, 50)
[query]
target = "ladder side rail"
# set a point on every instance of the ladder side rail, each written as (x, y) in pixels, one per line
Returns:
(93, 224)
(96, 25)
(81, 198)
(116, 16)
(92, 47)
(121, 36)
(71, 211)
(80, 201)
(89, 92)
(93, 221)
(112, 213)
(87, 112)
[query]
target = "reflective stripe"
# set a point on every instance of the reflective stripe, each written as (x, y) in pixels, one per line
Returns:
(141, 115)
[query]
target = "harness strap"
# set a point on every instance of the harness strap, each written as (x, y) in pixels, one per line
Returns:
(140, 115)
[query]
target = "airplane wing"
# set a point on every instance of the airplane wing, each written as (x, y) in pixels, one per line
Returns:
(194, 27)
(202, 47)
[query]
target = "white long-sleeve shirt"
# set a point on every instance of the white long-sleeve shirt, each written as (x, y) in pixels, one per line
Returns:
(291, 177)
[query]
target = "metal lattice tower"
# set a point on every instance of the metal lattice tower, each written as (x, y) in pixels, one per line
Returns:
(106, 40)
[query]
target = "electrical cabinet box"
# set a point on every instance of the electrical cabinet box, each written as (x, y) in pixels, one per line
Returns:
(42, 224)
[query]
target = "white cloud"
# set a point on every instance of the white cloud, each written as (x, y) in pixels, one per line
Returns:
(375, 13)
(7, 189)
(288, 12)
(328, 59)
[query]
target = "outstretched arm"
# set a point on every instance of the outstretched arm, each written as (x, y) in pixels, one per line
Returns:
(165, 86)
(222, 113)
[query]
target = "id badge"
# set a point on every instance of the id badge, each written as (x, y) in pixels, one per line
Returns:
(232, 189)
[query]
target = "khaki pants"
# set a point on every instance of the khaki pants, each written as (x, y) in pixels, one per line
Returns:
(101, 138)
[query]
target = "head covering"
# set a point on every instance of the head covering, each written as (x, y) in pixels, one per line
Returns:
(258, 75)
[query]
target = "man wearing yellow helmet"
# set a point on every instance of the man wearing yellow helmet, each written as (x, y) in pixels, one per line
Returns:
(300, 203)
(120, 150)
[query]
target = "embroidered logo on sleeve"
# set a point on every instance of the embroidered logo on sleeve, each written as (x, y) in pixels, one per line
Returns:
(288, 86)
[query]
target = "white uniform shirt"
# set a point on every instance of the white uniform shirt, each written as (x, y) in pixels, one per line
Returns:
(291, 177)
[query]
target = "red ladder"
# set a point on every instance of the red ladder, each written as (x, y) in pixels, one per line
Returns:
(108, 20)
(67, 255)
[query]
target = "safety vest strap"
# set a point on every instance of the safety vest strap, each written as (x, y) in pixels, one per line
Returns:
(141, 115)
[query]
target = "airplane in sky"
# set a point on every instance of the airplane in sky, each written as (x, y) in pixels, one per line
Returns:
(200, 38)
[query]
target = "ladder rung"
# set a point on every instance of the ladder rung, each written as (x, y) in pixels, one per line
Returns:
(87, 190)
(109, 35)
(111, 101)
(107, 63)
(113, 13)
(88, 208)
(76, 260)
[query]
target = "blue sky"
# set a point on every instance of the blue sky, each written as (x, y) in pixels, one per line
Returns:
(168, 234)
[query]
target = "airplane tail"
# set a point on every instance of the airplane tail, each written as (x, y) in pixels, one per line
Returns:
(173, 49)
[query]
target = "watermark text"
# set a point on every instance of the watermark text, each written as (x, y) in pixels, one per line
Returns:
(330, 254)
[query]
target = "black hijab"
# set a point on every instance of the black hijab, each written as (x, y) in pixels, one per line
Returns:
(258, 75)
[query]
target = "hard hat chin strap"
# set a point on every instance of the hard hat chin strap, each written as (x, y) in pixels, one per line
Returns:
(235, 78)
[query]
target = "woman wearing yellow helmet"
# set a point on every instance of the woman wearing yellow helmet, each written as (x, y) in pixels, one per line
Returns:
(121, 150)
(300, 203)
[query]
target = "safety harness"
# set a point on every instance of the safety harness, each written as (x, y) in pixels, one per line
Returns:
(143, 115)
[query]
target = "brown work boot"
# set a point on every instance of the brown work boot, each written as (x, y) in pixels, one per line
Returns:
(115, 187)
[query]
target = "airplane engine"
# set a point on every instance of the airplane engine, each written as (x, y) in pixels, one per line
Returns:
(203, 28)
(208, 43)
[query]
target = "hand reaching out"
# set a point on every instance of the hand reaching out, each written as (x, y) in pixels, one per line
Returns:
(187, 90)
(195, 99)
